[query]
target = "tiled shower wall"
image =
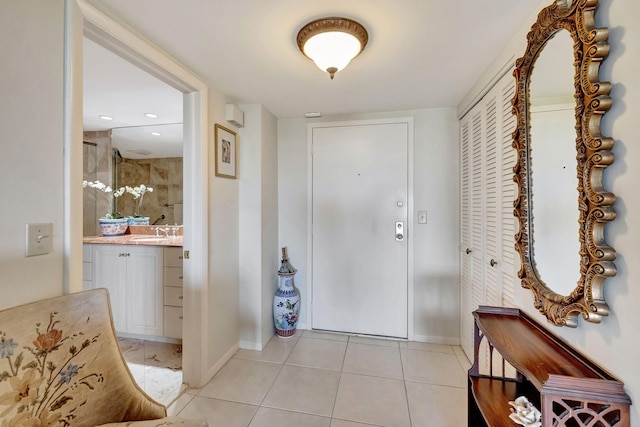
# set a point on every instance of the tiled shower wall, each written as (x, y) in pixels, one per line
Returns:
(96, 166)
(164, 176)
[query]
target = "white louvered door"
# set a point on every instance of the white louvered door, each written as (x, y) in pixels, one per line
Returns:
(487, 194)
(509, 259)
(466, 266)
(491, 187)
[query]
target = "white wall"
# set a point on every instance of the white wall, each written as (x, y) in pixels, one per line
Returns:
(270, 250)
(250, 228)
(436, 190)
(31, 137)
(614, 342)
(222, 307)
(258, 226)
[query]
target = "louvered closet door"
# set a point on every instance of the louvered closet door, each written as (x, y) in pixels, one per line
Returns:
(487, 194)
(493, 242)
(509, 260)
(466, 266)
(500, 156)
(472, 234)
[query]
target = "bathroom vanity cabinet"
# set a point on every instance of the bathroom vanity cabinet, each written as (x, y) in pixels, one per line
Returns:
(134, 277)
(515, 356)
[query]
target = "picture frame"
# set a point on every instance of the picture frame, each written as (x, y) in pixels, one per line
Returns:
(226, 144)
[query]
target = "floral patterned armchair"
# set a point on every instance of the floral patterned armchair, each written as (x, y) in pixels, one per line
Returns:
(60, 365)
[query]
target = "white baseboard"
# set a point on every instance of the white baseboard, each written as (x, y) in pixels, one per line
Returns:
(301, 326)
(220, 363)
(249, 345)
(437, 340)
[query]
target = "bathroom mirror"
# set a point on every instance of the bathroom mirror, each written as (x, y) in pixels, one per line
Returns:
(152, 141)
(561, 206)
(150, 155)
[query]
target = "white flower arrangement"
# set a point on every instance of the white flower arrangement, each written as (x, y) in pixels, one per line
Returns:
(138, 194)
(110, 193)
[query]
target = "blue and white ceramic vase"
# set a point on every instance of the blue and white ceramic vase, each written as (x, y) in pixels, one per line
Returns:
(286, 301)
(113, 227)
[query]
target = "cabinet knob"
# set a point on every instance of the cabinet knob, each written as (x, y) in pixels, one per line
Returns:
(179, 277)
(180, 257)
(180, 297)
(180, 317)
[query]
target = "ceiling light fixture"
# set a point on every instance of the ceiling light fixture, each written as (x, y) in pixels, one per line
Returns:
(332, 42)
(151, 115)
(106, 117)
(155, 133)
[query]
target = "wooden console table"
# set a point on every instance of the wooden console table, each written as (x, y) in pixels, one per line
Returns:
(568, 388)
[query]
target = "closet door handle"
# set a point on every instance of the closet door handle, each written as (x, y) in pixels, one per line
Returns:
(468, 251)
(493, 262)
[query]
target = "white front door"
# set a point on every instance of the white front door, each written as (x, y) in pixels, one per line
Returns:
(359, 271)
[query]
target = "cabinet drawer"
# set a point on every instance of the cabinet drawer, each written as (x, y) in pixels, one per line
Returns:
(173, 322)
(173, 257)
(173, 296)
(173, 276)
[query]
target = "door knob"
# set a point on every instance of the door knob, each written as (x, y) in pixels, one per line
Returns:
(493, 262)
(468, 251)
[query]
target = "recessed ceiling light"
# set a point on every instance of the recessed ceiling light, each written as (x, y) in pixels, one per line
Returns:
(106, 117)
(155, 134)
(151, 115)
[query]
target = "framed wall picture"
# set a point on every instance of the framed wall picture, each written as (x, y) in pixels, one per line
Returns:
(226, 150)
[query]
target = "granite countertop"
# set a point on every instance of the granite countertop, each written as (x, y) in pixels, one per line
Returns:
(143, 235)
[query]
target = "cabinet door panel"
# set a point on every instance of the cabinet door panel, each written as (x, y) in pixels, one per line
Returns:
(144, 290)
(109, 271)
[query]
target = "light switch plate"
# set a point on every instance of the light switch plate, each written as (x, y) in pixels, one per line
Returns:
(422, 217)
(38, 239)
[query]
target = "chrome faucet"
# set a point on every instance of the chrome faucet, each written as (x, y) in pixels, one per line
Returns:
(165, 230)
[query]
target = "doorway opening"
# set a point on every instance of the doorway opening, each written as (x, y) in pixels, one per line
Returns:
(110, 35)
(133, 139)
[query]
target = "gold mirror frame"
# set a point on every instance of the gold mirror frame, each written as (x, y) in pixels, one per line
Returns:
(593, 156)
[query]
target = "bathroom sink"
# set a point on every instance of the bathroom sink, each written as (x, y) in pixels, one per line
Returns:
(152, 239)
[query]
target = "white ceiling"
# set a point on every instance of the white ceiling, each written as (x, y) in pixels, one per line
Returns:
(421, 53)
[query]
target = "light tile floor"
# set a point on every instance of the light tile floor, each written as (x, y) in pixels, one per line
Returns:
(332, 380)
(156, 367)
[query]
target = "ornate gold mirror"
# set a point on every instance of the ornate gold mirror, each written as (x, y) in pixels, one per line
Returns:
(561, 205)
